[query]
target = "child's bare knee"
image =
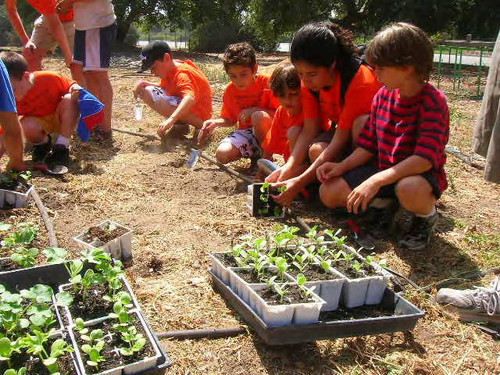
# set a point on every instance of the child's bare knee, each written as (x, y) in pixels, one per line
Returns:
(315, 151)
(411, 187)
(331, 193)
(225, 153)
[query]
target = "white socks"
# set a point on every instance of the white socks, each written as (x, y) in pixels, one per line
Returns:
(62, 141)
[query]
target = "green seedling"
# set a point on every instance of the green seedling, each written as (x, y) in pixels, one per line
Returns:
(90, 278)
(11, 313)
(281, 290)
(135, 341)
(35, 344)
(304, 291)
(55, 254)
(282, 267)
(326, 264)
(122, 297)
(357, 266)
(121, 313)
(95, 344)
(57, 349)
(23, 256)
(21, 371)
(264, 190)
(25, 236)
(7, 348)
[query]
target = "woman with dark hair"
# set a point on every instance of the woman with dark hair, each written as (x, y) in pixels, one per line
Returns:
(337, 92)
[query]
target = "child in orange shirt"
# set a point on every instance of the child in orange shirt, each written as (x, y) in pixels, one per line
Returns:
(289, 118)
(247, 101)
(48, 104)
(184, 95)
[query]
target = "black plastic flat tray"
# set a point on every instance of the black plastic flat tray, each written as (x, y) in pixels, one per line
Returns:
(404, 318)
(54, 275)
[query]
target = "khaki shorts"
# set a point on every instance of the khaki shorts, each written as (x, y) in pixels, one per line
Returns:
(50, 123)
(42, 36)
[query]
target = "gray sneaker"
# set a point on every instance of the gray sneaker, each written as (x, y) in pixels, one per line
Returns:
(481, 300)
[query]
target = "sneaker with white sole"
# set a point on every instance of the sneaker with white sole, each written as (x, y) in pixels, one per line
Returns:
(478, 300)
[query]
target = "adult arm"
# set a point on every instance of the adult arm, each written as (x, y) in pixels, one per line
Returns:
(12, 140)
(57, 30)
(15, 20)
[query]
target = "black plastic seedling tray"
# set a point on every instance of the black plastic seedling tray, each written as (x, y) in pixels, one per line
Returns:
(401, 316)
(55, 275)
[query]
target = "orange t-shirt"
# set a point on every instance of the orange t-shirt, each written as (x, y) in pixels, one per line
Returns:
(276, 140)
(49, 7)
(357, 100)
(188, 79)
(43, 98)
(257, 95)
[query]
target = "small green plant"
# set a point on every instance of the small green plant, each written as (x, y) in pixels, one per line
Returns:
(25, 257)
(57, 349)
(282, 266)
(305, 292)
(24, 236)
(93, 347)
(281, 289)
(135, 341)
(8, 348)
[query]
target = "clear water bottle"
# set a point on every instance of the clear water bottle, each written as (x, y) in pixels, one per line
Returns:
(138, 109)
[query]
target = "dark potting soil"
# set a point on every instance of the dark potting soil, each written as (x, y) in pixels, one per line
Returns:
(112, 357)
(251, 277)
(93, 306)
(103, 236)
(315, 273)
(227, 259)
(348, 271)
(292, 295)
(6, 264)
(362, 312)
(35, 366)
(18, 185)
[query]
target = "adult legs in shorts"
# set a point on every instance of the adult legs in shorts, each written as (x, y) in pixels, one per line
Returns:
(45, 42)
(93, 55)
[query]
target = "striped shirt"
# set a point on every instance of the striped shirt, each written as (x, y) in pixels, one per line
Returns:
(401, 127)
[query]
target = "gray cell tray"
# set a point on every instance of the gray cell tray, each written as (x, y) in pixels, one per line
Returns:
(55, 275)
(404, 318)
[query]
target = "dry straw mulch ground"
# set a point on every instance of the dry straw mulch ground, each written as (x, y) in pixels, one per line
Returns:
(180, 215)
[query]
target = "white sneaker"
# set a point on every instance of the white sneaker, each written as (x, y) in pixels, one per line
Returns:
(485, 300)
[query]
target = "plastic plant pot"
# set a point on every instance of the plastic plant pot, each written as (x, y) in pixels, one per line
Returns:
(286, 314)
(129, 369)
(14, 199)
(261, 204)
(70, 318)
(329, 290)
(119, 248)
(245, 287)
(218, 268)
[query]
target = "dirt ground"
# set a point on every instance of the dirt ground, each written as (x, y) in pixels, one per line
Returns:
(179, 215)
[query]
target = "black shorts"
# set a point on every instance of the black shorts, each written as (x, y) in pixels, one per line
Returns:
(357, 176)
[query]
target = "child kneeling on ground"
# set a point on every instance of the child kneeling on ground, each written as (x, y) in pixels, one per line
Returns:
(183, 96)
(401, 148)
(289, 118)
(247, 101)
(48, 104)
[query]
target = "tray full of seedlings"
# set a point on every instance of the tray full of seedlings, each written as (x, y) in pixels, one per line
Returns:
(75, 317)
(293, 290)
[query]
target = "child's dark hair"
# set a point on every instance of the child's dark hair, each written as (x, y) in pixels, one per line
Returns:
(322, 44)
(402, 44)
(284, 76)
(239, 54)
(15, 63)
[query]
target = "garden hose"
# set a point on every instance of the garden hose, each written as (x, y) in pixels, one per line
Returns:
(211, 333)
(45, 217)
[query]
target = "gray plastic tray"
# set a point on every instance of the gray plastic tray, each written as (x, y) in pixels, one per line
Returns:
(54, 275)
(404, 317)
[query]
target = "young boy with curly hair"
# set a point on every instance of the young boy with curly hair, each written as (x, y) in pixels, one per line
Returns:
(247, 101)
(401, 148)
